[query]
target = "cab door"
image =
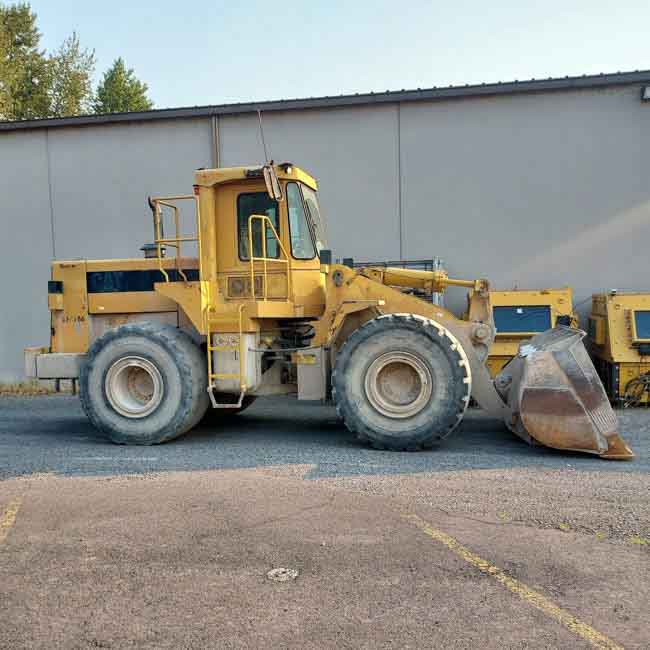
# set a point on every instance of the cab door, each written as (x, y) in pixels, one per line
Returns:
(305, 263)
(234, 205)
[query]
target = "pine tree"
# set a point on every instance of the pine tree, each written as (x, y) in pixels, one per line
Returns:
(26, 69)
(35, 84)
(120, 91)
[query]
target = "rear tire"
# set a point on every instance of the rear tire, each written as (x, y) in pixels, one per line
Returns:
(401, 382)
(144, 383)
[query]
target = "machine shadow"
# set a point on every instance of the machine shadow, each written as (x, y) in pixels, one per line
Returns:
(479, 442)
(53, 435)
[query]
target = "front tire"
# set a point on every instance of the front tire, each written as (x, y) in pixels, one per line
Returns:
(401, 382)
(144, 384)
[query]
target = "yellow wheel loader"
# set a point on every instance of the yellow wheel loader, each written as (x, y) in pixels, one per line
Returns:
(260, 309)
(619, 334)
(519, 314)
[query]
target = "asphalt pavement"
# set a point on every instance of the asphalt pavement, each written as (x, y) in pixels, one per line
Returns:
(50, 434)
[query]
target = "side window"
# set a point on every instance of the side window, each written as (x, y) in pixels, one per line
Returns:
(302, 246)
(257, 203)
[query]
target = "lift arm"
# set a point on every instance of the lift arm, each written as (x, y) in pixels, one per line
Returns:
(480, 310)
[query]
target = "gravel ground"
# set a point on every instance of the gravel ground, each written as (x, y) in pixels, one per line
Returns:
(607, 505)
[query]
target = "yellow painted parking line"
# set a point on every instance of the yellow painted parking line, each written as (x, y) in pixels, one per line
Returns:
(8, 519)
(527, 594)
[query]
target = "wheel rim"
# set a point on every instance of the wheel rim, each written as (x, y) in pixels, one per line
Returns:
(134, 387)
(398, 384)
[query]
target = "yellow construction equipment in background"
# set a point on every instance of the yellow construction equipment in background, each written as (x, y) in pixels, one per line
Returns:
(619, 334)
(260, 309)
(520, 314)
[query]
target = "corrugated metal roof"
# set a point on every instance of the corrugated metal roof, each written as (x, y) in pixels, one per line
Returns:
(552, 84)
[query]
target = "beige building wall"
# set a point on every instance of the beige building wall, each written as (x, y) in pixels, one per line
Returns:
(532, 190)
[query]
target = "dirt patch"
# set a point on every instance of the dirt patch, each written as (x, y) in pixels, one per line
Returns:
(181, 560)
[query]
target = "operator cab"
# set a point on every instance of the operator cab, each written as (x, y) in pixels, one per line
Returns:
(271, 212)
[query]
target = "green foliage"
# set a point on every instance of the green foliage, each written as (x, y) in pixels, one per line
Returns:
(26, 69)
(5, 96)
(121, 91)
(37, 84)
(71, 70)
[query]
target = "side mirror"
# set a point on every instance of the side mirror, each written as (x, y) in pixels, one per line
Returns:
(273, 187)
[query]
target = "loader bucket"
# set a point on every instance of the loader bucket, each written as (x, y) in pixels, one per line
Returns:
(557, 398)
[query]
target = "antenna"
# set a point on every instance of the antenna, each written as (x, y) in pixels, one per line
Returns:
(259, 117)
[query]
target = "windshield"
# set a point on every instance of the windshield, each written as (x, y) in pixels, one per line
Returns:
(311, 201)
(302, 246)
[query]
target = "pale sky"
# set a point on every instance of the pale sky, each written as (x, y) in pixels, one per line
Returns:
(195, 53)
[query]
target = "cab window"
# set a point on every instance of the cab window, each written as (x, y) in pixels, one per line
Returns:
(302, 246)
(257, 203)
(311, 201)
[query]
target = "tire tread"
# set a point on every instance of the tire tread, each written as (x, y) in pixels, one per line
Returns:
(186, 355)
(385, 322)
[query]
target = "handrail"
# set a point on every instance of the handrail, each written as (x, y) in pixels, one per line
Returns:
(175, 242)
(242, 376)
(264, 259)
